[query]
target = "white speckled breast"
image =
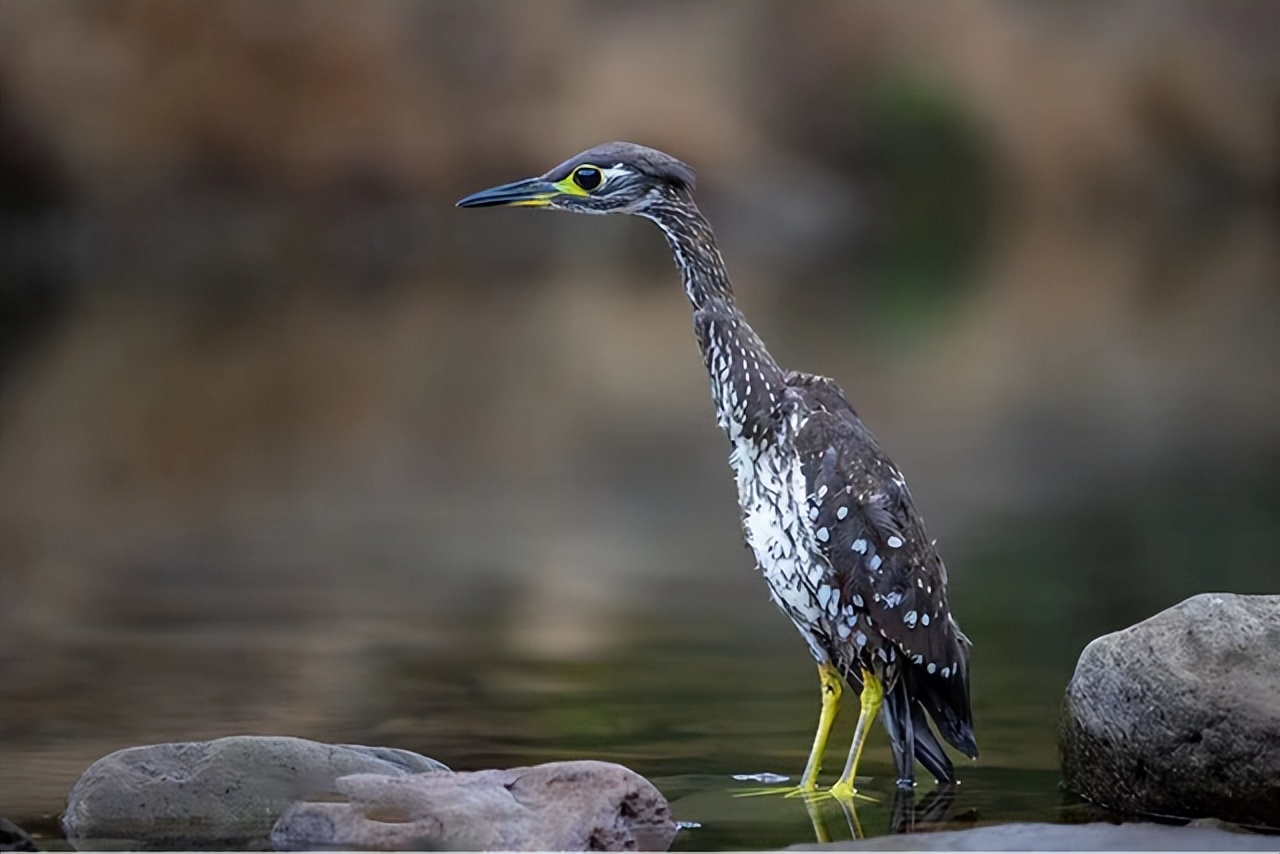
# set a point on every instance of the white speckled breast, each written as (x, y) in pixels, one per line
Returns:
(772, 494)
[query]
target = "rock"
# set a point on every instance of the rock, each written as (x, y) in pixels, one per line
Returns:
(1180, 714)
(559, 806)
(14, 838)
(1100, 836)
(225, 793)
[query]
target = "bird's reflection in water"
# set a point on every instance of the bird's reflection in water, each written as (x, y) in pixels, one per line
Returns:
(932, 812)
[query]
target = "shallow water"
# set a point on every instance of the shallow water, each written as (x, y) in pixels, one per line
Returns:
(639, 635)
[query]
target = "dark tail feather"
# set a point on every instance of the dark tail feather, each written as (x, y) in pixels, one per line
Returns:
(928, 750)
(896, 715)
(911, 738)
(947, 702)
(952, 719)
(946, 699)
(957, 732)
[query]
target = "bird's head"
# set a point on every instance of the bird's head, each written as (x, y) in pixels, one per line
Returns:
(617, 177)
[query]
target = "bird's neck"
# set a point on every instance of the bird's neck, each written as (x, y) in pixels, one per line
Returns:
(746, 382)
(693, 245)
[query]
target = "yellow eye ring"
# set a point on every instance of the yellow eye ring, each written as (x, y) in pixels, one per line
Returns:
(587, 177)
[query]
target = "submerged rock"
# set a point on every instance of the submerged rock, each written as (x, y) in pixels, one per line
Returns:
(225, 793)
(559, 806)
(1100, 836)
(1179, 715)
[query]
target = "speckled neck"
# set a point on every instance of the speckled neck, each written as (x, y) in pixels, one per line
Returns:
(746, 382)
(693, 245)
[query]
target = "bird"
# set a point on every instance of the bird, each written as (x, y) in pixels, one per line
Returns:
(828, 516)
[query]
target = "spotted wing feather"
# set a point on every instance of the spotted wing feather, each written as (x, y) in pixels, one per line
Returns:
(880, 560)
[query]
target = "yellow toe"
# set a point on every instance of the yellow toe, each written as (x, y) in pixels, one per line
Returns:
(844, 790)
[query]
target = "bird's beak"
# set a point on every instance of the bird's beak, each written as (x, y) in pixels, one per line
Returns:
(531, 192)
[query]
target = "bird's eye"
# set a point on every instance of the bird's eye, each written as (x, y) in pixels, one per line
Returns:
(587, 177)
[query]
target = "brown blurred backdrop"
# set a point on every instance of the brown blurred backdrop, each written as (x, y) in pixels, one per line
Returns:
(260, 379)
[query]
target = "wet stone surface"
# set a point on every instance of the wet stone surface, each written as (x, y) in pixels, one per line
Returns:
(559, 806)
(225, 793)
(1179, 715)
(1099, 836)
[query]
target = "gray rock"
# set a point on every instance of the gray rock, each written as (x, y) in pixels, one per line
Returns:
(1180, 714)
(225, 793)
(1101, 836)
(559, 806)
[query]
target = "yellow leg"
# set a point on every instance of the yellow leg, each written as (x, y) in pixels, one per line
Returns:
(872, 696)
(831, 691)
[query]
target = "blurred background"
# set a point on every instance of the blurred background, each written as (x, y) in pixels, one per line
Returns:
(290, 445)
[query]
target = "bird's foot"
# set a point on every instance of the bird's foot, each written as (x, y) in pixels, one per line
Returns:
(840, 791)
(806, 791)
(846, 792)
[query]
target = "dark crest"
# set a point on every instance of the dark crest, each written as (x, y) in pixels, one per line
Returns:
(647, 161)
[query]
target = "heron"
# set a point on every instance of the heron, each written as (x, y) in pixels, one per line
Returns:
(828, 516)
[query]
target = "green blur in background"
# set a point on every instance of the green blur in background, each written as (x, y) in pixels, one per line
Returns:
(289, 445)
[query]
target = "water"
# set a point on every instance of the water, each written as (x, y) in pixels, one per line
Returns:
(689, 679)
(538, 557)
